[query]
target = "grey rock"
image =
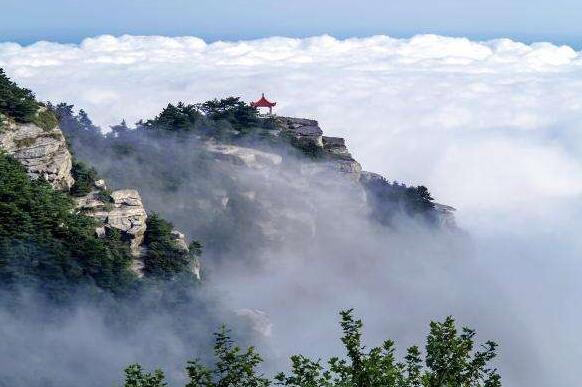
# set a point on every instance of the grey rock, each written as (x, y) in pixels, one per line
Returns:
(336, 146)
(100, 184)
(248, 157)
(303, 133)
(180, 240)
(446, 216)
(125, 213)
(43, 153)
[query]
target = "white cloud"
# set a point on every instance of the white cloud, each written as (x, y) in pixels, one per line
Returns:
(408, 107)
(493, 128)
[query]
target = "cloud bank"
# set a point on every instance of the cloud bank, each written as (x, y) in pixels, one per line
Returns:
(493, 128)
(509, 111)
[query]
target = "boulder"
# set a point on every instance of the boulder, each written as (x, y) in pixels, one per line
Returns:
(304, 134)
(43, 153)
(123, 211)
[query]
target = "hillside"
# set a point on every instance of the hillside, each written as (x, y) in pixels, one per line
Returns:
(87, 219)
(61, 227)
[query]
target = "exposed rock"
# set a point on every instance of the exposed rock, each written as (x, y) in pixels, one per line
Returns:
(305, 134)
(43, 153)
(124, 212)
(445, 215)
(248, 157)
(335, 149)
(100, 184)
(336, 146)
(180, 239)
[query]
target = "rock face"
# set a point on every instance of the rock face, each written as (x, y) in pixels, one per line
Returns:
(335, 149)
(122, 211)
(248, 157)
(446, 216)
(43, 153)
(306, 135)
(303, 133)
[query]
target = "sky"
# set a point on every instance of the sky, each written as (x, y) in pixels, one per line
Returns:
(26, 21)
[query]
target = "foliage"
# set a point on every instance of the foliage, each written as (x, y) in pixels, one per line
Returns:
(45, 119)
(390, 199)
(135, 376)
(164, 257)
(45, 243)
(16, 102)
(180, 117)
(239, 114)
(84, 176)
(234, 367)
(450, 361)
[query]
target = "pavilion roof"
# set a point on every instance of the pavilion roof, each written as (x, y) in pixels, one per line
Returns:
(263, 102)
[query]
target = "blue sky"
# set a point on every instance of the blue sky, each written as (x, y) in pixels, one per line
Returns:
(26, 21)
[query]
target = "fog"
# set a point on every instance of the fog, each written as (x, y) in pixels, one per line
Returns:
(491, 128)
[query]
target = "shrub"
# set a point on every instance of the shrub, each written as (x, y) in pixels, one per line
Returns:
(164, 258)
(84, 176)
(16, 102)
(45, 119)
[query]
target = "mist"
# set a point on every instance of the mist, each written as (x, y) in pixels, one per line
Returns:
(492, 128)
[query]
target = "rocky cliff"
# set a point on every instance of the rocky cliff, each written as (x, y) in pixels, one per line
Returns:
(308, 136)
(43, 152)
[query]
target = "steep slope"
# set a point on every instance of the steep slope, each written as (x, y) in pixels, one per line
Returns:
(110, 226)
(42, 151)
(246, 187)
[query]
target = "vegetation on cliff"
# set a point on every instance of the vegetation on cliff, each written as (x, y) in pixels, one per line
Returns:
(20, 104)
(45, 243)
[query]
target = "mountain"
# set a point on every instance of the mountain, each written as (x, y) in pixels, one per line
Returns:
(135, 227)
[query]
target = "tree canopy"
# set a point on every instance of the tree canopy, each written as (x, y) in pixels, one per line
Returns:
(450, 360)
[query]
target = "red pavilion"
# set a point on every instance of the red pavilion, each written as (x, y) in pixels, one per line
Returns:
(264, 103)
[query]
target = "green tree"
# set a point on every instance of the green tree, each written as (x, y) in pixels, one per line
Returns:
(135, 376)
(234, 367)
(16, 102)
(450, 362)
(239, 114)
(45, 243)
(164, 257)
(84, 176)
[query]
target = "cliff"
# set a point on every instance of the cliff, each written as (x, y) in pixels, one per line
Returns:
(43, 152)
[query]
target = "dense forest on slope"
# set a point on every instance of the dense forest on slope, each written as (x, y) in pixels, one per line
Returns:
(46, 244)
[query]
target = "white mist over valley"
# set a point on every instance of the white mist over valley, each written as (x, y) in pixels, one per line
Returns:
(492, 128)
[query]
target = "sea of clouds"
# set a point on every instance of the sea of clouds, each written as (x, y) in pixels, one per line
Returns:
(493, 128)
